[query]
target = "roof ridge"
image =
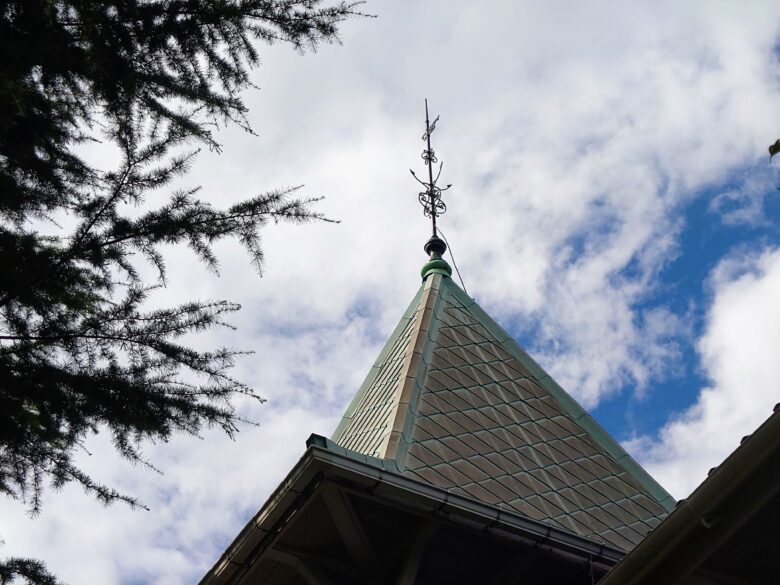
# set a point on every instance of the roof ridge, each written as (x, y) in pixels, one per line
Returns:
(415, 369)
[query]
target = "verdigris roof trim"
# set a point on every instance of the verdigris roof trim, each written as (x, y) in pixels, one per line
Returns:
(567, 402)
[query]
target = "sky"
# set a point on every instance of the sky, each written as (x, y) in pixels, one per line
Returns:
(613, 207)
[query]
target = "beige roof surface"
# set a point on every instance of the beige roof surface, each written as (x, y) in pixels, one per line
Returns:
(457, 403)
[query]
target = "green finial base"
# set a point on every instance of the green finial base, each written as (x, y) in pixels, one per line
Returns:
(436, 265)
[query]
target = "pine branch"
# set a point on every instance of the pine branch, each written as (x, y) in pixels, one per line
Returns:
(79, 353)
(29, 571)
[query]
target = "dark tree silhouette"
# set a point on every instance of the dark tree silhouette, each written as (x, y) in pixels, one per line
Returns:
(78, 350)
(774, 149)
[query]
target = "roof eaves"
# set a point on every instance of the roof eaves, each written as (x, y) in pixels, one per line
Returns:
(294, 486)
(323, 457)
(383, 475)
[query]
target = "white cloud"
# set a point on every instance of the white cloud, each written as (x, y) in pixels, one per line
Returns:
(738, 353)
(744, 204)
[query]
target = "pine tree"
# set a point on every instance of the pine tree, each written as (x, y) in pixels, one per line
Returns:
(78, 350)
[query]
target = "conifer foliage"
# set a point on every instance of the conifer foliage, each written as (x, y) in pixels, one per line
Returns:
(79, 352)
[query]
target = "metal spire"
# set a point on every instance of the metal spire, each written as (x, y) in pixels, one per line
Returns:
(432, 204)
(430, 199)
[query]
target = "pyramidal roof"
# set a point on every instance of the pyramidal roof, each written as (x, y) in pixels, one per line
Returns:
(455, 402)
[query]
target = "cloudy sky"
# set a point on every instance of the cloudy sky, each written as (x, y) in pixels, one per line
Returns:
(613, 207)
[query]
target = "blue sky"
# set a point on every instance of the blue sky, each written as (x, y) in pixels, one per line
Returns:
(612, 206)
(706, 238)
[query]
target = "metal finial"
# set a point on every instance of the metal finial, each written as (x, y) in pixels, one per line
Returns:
(433, 206)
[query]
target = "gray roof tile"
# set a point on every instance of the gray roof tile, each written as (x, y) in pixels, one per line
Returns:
(442, 448)
(458, 448)
(514, 485)
(470, 470)
(454, 474)
(424, 457)
(476, 490)
(525, 508)
(457, 398)
(433, 477)
(486, 465)
(499, 489)
(506, 465)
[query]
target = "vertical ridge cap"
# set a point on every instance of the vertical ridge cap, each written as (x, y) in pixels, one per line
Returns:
(415, 369)
(377, 416)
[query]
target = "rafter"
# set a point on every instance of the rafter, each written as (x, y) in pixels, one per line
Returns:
(516, 568)
(317, 559)
(309, 572)
(350, 528)
(408, 572)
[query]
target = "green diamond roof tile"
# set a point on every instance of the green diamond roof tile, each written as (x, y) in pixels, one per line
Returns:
(454, 401)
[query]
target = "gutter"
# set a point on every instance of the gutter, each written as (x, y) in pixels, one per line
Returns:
(734, 492)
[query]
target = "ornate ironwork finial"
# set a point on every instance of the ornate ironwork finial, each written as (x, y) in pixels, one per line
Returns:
(430, 198)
